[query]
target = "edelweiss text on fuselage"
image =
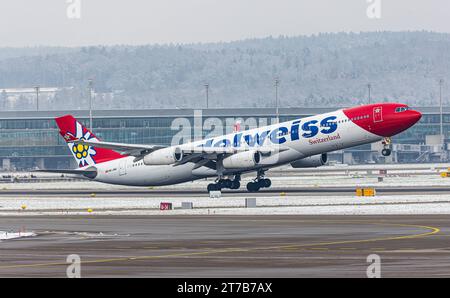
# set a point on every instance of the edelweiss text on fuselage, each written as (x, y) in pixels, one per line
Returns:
(278, 135)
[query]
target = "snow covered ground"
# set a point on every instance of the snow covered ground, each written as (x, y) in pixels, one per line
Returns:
(398, 176)
(105, 203)
(396, 179)
(392, 204)
(11, 235)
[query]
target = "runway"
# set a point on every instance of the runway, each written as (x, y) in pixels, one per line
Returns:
(195, 192)
(228, 246)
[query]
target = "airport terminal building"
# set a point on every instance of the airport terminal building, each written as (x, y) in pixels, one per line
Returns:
(30, 139)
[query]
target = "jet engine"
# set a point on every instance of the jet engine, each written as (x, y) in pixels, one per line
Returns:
(166, 156)
(311, 161)
(242, 160)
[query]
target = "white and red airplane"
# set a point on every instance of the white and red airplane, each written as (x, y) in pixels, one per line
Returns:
(302, 143)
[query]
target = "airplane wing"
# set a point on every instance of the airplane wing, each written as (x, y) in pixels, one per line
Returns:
(192, 154)
(138, 150)
(125, 149)
(203, 155)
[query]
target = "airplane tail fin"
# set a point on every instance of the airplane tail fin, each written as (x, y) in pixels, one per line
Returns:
(71, 130)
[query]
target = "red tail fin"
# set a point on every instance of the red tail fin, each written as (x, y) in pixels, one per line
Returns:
(71, 130)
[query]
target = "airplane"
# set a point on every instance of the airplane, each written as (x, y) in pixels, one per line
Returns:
(303, 143)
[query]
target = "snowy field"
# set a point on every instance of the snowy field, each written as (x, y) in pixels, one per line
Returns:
(398, 176)
(401, 204)
(286, 176)
(12, 235)
(394, 179)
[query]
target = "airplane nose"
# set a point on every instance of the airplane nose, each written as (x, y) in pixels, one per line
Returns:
(414, 117)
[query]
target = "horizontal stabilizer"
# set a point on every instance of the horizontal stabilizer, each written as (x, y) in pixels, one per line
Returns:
(89, 173)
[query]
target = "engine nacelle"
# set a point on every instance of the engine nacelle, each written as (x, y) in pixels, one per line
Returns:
(242, 160)
(166, 156)
(311, 161)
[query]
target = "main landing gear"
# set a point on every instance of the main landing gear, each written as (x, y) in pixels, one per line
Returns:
(254, 186)
(386, 147)
(225, 183)
(259, 182)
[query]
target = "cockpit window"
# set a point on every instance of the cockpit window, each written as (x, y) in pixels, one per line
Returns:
(401, 109)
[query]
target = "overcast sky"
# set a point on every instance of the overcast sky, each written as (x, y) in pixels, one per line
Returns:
(46, 22)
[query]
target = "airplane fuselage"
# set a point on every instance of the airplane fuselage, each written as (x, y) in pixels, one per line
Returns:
(296, 139)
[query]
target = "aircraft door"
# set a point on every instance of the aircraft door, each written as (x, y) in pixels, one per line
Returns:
(123, 167)
(377, 114)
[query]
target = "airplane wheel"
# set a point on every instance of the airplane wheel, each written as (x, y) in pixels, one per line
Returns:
(253, 187)
(386, 152)
(266, 183)
(227, 183)
(235, 185)
(213, 187)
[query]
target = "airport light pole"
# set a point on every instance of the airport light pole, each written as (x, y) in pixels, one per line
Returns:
(277, 82)
(441, 129)
(91, 84)
(37, 88)
(207, 95)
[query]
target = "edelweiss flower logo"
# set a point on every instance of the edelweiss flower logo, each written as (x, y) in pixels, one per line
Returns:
(83, 153)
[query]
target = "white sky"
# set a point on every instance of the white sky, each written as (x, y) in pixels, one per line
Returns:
(45, 22)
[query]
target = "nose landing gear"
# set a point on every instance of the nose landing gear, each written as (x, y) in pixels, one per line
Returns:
(386, 152)
(386, 147)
